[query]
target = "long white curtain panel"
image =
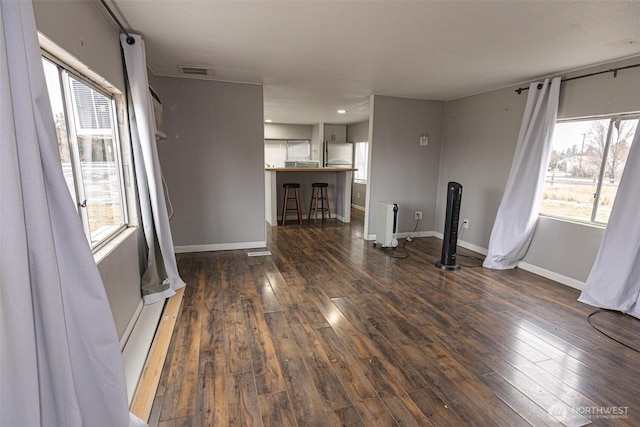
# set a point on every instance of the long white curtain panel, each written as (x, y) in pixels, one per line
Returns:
(60, 362)
(518, 212)
(614, 280)
(161, 278)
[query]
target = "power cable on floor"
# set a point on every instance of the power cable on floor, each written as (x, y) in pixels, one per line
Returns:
(409, 238)
(403, 256)
(604, 333)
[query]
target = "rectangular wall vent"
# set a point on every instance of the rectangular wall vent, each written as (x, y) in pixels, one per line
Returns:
(194, 70)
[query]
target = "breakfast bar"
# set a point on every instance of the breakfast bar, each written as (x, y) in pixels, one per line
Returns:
(339, 180)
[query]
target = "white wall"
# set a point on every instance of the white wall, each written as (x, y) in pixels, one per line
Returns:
(480, 137)
(213, 162)
(402, 171)
(83, 30)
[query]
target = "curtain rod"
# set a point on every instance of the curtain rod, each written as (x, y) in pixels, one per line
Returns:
(130, 40)
(610, 70)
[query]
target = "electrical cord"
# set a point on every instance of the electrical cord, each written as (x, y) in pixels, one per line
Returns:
(460, 233)
(409, 238)
(165, 188)
(404, 256)
(604, 333)
(471, 257)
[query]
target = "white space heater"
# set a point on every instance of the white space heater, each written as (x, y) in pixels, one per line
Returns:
(386, 225)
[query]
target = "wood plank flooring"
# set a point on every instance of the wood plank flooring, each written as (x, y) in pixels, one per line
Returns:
(329, 331)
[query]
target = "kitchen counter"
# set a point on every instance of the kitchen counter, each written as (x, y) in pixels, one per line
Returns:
(339, 191)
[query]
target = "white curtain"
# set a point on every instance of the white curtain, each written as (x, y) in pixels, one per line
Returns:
(60, 362)
(161, 279)
(518, 212)
(614, 280)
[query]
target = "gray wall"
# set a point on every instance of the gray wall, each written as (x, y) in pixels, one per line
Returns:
(153, 79)
(402, 171)
(480, 137)
(359, 195)
(84, 30)
(480, 133)
(358, 132)
(213, 162)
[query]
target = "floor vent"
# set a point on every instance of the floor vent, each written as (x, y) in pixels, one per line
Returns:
(260, 253)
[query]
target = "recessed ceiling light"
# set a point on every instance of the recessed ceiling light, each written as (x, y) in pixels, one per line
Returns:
(342, 111)
(268, 121)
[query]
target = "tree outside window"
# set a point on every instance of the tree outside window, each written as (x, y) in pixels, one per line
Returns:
(586, 163)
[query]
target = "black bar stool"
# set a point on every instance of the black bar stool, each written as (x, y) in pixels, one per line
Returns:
(319, 193)
(285, 209)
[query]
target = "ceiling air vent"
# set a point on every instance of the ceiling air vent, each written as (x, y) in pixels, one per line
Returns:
(193, 70)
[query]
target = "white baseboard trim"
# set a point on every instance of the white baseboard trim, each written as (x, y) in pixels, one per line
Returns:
(548, 274)
(556, 277)
(357, 207)
(220, 247)
(466, 245)
(137, 347)
(416, 234)
(472, 247)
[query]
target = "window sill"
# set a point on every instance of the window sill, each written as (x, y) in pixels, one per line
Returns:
(112, 244)
(573, 221)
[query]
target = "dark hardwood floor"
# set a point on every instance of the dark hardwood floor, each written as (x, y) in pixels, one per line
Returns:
(329, 331)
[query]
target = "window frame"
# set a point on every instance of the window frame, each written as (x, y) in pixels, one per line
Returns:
(117, 108)
(366, 157)
(284, 146)
(603, 165)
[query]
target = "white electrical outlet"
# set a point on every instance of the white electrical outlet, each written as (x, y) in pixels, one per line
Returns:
(418, 215)
(465, 223)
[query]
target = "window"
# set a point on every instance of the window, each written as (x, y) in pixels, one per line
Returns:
(89, 149)
(587, 160)
(278, 151)
(361, 151)
(298, 150)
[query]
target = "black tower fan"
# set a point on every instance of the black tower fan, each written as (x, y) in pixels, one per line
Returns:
(450, 239)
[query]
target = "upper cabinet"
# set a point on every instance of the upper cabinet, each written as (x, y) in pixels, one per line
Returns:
(335, 133)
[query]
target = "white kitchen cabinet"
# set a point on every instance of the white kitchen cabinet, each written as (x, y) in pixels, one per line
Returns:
(335, 133)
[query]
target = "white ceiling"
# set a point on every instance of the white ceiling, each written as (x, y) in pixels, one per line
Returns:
(314, 57)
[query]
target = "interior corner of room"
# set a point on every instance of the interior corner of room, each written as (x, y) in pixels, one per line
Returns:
(223, 166)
